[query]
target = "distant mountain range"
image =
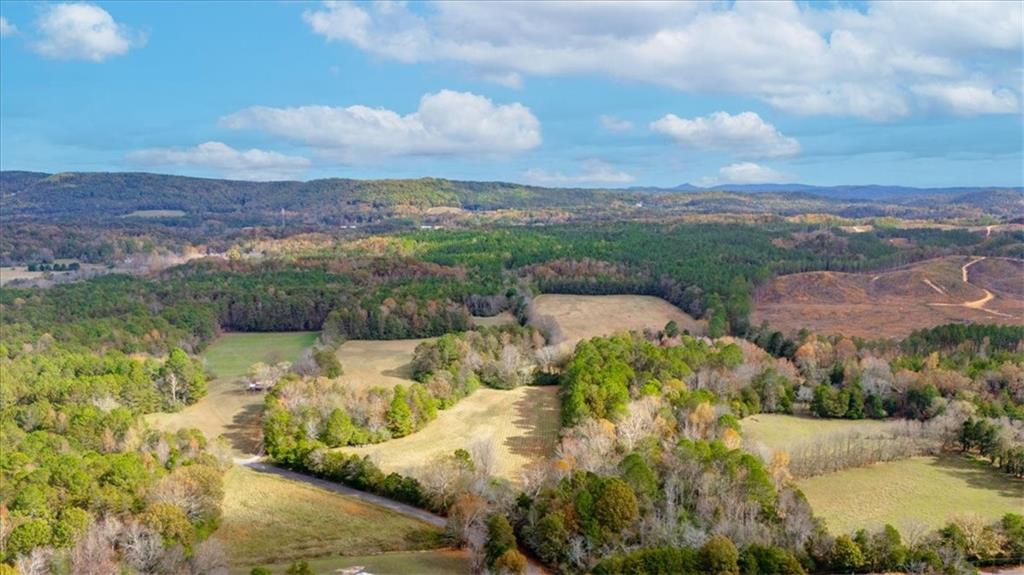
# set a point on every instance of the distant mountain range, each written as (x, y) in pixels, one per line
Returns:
(129, 199)
(864, 192)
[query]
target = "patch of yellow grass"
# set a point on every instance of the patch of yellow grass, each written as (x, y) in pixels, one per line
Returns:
(523, 424)
(377, 363)
(270, 519)
(585, 316)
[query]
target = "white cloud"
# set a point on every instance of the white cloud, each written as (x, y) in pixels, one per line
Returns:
(804, 59)
(509, 79)
(243, 165)
(594, 172)
(744, 134)
(6, 28)
(446, 123)
(82, 32)
(613, 124)
(746, 173)
(969, 99)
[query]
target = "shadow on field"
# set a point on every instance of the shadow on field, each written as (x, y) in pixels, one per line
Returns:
(537, 421)
(981, 475)
(245, 432)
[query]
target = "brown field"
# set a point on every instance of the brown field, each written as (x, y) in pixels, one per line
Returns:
(954, 289)
(377, 363)
(11, 273)
(270, 519)
(503, 318)
(523, 424)
(582, 317)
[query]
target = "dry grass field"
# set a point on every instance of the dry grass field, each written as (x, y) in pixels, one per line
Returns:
(522, 423)
(228, 408)
(377, 363)
(924, 491)
(433, 562)
(11, 273)
(272, 520)
(787, 432)
(582, 317)
(894, 303)
(503, 318)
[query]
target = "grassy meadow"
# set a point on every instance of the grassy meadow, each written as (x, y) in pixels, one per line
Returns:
(786, 432)
(228, 408)
(523, 423)
(582, 317)
(917, 491)
(377, 363)
(270, 520)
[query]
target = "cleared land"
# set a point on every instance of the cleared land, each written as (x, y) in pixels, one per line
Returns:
(377, 363)
(228, 408)
(436, 562)
(919, 490)
(503, 318)
(892, 304)
(270, 519)
(155, 214)
(522, 423)
(582, 317)
(786, 432)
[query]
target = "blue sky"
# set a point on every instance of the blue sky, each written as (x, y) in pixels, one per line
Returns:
(553, 94)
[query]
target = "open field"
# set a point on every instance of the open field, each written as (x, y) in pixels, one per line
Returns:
(892, 304)
(434, 562)
(228, 408)
(155, 214)
(919, 490)
(582, 317)
(523, 424)
(786, 432)
(270, 519)
(12, 273)
(377, 363)
(503, 318)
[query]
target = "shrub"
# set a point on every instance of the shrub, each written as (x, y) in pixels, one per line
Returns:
(719, 556)
(511, 562)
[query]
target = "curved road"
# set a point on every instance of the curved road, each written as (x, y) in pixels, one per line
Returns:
(978, 304)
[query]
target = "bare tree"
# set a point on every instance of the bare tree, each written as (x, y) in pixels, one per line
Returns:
(141, 547)
(37, 562)
(484, 452)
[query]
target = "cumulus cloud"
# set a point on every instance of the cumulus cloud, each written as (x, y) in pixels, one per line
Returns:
(6, 28)
(251, 164)
(82, 32)
(613, 124)
(969, 99)
(446, 123)
(744, 134)
(834, 60)
(746, 173)
(594, 172)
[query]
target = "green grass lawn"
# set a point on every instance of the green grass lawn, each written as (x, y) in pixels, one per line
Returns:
(439, 562)
(228, 409)
(926, 490)
(273, 520)
(230, 356)
(780, 431)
